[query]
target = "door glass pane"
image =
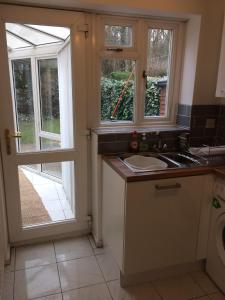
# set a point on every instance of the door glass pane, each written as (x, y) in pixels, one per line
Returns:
(48, 144)
(23, 95)
(118, 35)
(42, 90)
(53, 169)
(46, 199)
(49, 95)
(158, 67)
(117, 89)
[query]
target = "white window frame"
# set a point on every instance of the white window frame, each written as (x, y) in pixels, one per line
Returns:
(139, 53)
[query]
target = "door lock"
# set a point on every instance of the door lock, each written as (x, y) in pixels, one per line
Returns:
(8, 137)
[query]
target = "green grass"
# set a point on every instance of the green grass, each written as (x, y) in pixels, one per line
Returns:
(28, 131)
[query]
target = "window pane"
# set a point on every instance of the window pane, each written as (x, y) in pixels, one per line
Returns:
(49, 95)
(23, 95)
(116, 35)
(158, 66)
(48, 144)
(117, 90)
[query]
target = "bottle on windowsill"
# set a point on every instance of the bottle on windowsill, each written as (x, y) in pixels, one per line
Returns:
(134, 142)
(143, 147)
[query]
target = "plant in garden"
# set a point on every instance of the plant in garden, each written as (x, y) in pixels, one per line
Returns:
(111, 90)
(152, 97)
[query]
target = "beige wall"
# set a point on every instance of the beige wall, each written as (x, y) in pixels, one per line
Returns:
(209, 52)
(212, 13)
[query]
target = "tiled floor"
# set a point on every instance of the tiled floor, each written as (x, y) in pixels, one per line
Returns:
(52, 196)
(73, 269)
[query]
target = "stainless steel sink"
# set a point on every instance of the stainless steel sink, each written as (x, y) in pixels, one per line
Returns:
(173, 160)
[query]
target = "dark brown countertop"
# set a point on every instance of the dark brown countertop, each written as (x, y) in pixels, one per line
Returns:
(220, 171)
(130, 176)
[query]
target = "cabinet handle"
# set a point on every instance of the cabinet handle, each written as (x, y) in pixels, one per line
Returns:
(167, 187)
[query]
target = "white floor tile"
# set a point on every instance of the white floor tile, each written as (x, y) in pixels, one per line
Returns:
(68, 214)
(79, 273)
(51, 205)
(72, 248)
(52, 297)
(57, 215)
(138, 292)
(102, 250)
(8, 282)
(39, 180)
(47, 191)
(91, 240)
(95, 292)
(94, 247)
(36, 282)
(34, 255)
(204, 282)
(10, 267)
(178, 288)
(60, 191)
(108, 266)
(65, 204)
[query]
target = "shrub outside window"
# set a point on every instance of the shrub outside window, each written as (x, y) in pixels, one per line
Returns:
(117, 90)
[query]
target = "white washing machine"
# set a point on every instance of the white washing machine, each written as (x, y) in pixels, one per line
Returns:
(215, 265)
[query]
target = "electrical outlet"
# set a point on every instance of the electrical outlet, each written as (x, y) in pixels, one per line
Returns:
(210, 123)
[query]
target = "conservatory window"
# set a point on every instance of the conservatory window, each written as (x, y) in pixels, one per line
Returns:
(118, 35)
(49, 95)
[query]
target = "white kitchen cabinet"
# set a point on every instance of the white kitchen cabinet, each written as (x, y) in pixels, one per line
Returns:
(154, 224)
(220, 88)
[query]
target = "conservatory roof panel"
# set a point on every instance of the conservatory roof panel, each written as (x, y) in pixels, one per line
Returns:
(25, 35)
(59, 32)
(15, 43)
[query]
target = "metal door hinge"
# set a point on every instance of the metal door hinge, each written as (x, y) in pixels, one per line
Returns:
(84, 28)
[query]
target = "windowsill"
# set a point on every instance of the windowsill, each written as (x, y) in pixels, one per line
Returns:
(146, 129)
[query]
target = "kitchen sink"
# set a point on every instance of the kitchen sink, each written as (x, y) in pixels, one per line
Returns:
(145, 163)
(148, 162)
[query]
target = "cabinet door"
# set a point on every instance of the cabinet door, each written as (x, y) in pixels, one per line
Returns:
(162, 221)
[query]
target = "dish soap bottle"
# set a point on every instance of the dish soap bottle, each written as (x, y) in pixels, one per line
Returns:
(134, 142)
(143, 144)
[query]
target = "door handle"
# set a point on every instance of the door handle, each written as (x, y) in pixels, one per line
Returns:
(8, 137)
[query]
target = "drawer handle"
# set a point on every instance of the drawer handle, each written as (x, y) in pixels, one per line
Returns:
(167, 187)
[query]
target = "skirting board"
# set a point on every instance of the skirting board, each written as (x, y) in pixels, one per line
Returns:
(132, 279)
